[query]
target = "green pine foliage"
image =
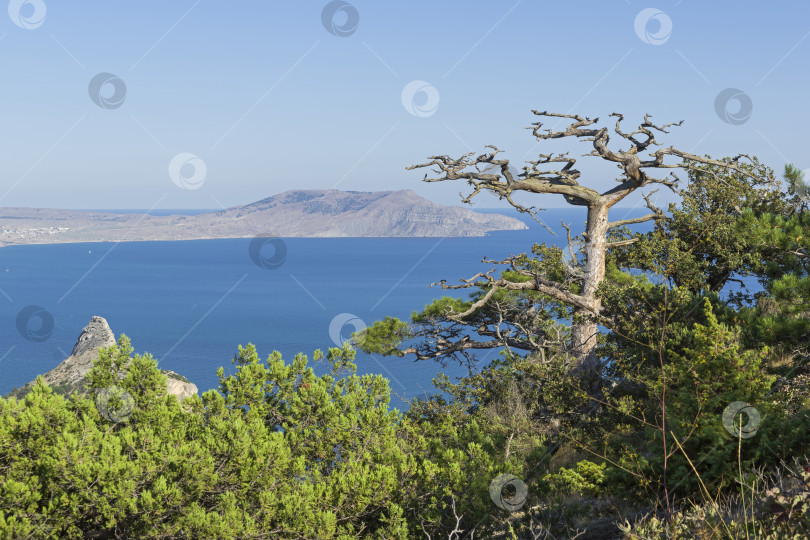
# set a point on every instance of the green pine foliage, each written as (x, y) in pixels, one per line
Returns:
(284, 450)
(276, 451)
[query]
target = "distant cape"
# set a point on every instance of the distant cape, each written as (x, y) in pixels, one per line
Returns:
(304, 213)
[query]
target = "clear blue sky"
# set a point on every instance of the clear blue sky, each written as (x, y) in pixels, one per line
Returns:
(270, 100)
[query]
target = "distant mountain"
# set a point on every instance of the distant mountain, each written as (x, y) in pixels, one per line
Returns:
(305, 213)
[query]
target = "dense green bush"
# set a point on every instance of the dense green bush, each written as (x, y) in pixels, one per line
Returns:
(275, 451)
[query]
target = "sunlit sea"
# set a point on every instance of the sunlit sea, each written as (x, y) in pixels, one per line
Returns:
(191, 303)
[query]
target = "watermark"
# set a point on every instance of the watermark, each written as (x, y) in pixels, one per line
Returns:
(108, 91)
(732, 425)
(115, 404)
(420, 99)
(35, 323)
(187, 171)
(499, 492)
(27, 14)
(653, 26)
(340, 18)
(343, 326)
(733, 117)
(268, 251)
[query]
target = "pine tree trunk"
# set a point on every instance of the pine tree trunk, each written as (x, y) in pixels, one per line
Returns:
(584, 330)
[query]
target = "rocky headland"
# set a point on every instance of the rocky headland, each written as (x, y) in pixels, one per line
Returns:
(71, 374)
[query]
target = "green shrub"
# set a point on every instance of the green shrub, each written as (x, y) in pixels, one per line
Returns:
(586, 478)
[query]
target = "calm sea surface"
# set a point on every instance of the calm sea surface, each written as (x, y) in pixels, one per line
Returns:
(191, 303)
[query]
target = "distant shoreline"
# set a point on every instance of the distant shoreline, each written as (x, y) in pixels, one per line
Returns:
(247, 238)
(293, 214)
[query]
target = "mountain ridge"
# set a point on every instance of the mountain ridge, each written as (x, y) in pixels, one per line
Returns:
(294, 213)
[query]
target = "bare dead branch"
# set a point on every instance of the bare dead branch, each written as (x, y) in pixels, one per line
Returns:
(621, 243)
(571, 268)
(539, 284)
(631, 221)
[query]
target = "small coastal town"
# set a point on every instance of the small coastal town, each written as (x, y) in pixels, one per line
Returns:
(10, 234)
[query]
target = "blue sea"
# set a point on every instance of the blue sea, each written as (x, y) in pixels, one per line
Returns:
(191, 303)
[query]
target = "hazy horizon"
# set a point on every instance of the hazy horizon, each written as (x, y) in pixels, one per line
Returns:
(459, 204)
(112, 102)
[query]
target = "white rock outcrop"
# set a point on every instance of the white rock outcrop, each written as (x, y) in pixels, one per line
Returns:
(70, 374)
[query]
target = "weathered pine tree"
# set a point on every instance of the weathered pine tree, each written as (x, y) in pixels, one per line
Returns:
(555, 174)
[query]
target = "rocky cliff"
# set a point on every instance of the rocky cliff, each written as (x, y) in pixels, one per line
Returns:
(70, 375)
(313, 213)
